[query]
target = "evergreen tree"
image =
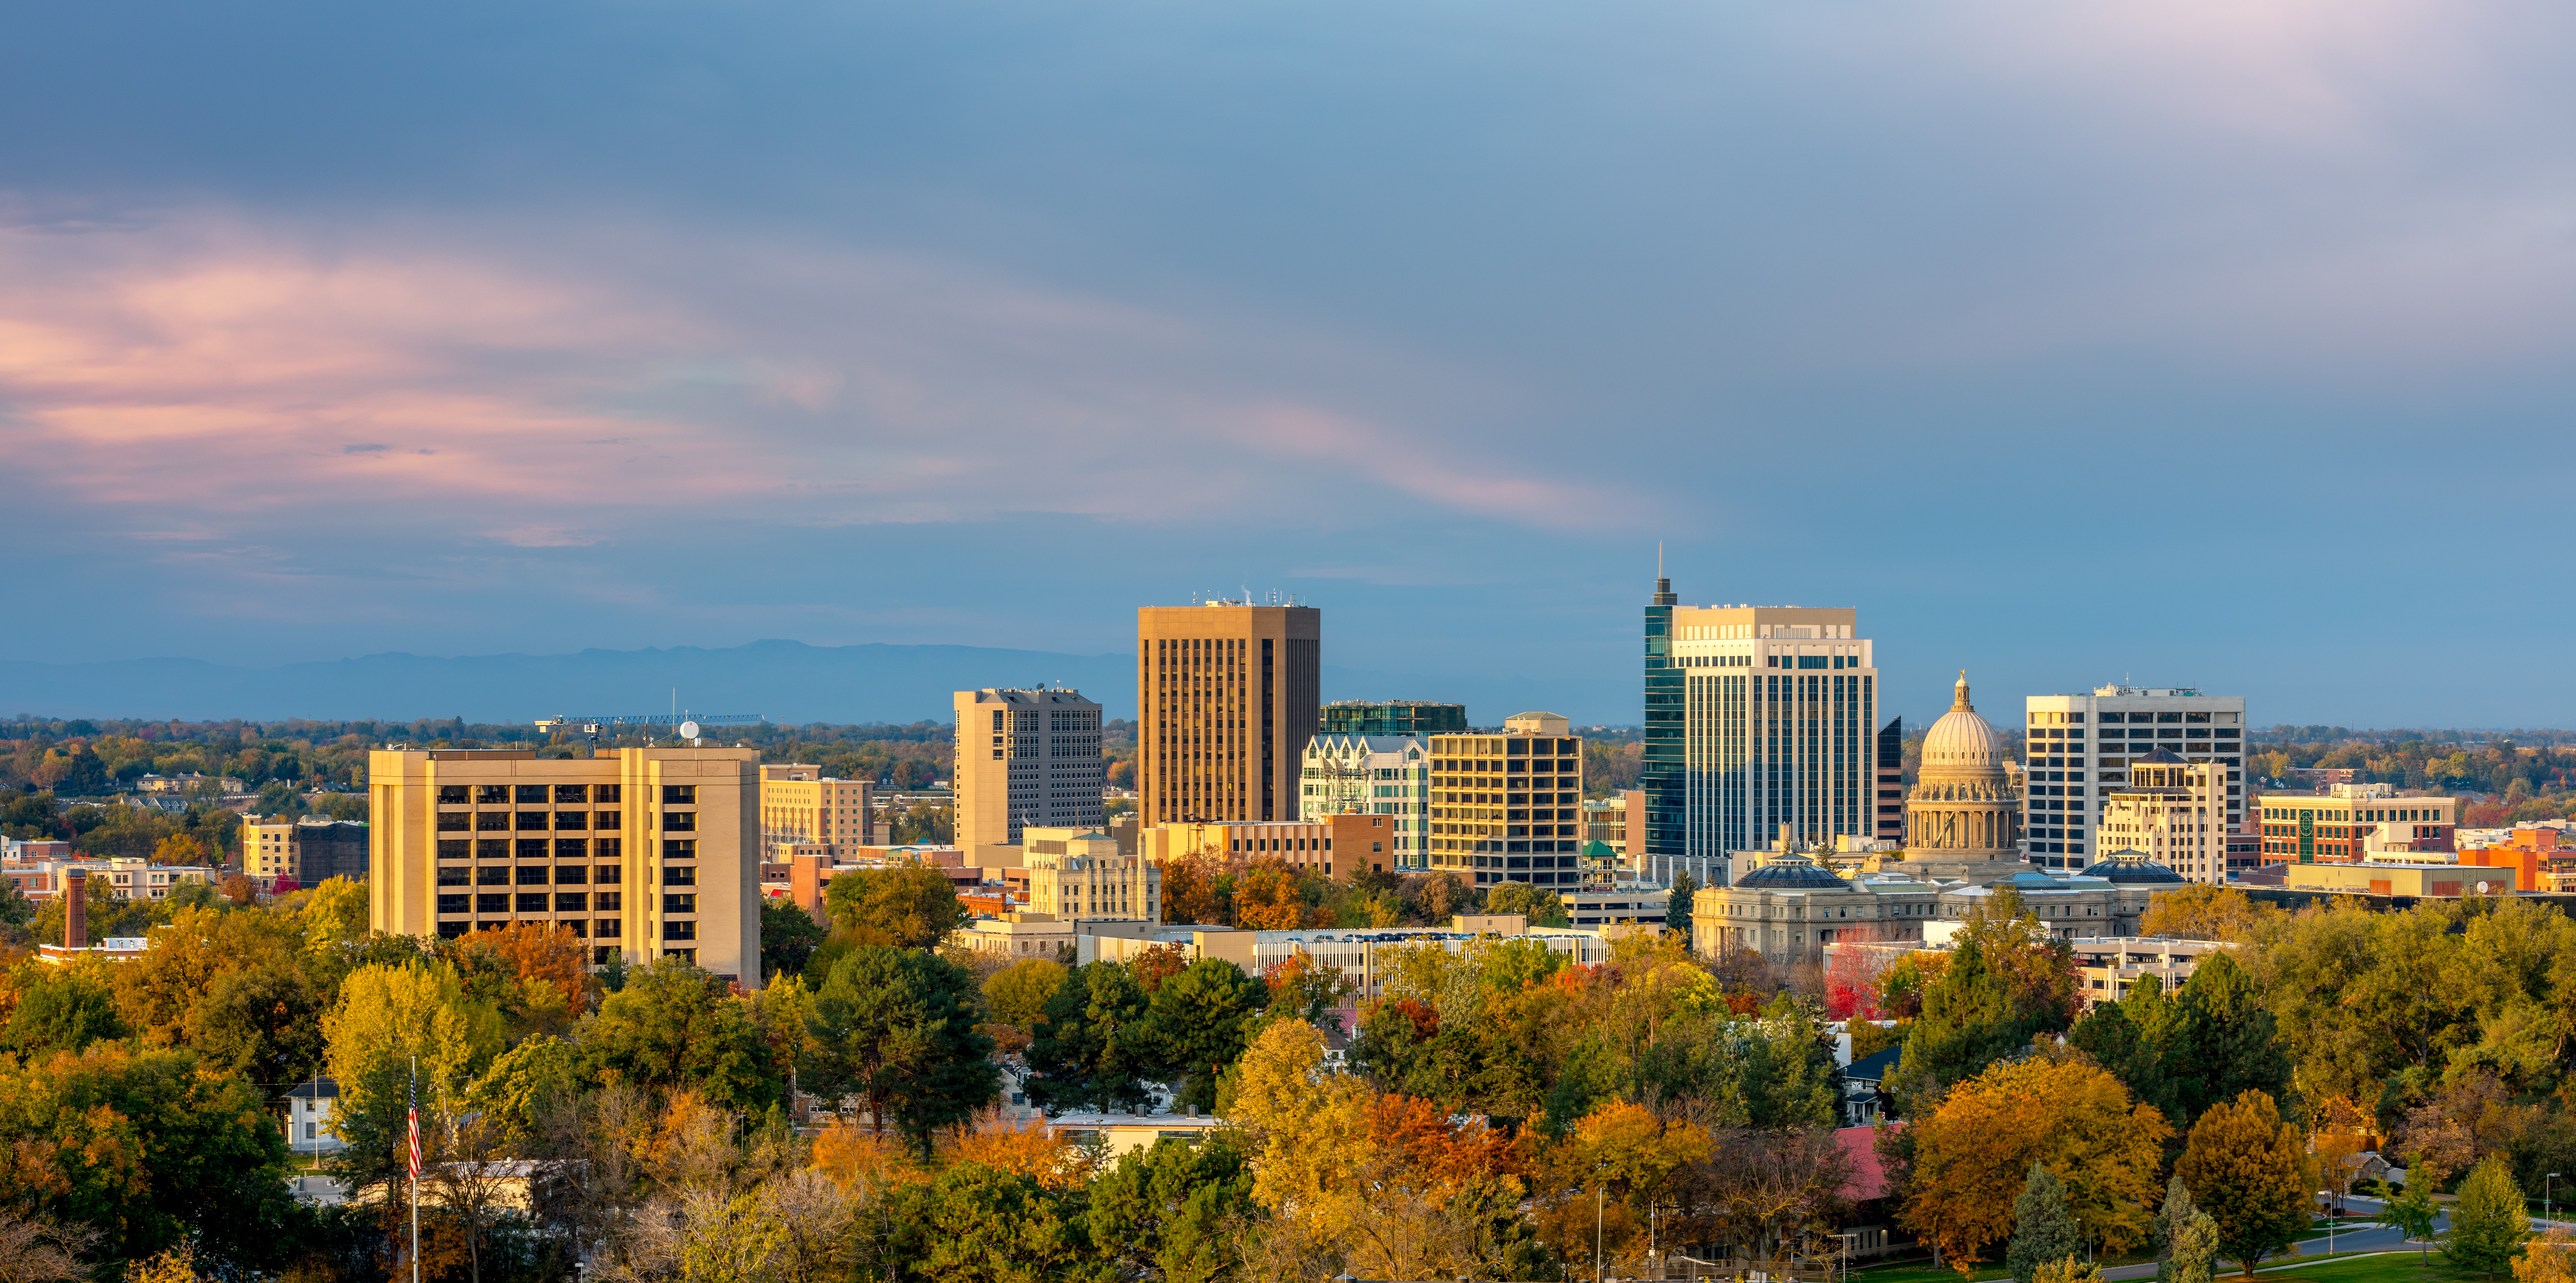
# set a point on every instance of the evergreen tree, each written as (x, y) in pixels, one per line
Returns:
(2243, 1166)
(2108, 1035)
(897, 1027)
(2224, 1043)
(2186, 1238)
(2043, 1231)
(1966, 1023)
(2488, 1223)
(1677, 907)
(1095, 1042)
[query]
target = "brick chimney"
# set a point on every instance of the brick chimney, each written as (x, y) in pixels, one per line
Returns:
(75, 908)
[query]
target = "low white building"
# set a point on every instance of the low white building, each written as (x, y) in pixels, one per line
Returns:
(310, 1107)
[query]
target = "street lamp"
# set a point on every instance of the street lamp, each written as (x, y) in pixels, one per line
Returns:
(2545, 1204)
(2325, 1198)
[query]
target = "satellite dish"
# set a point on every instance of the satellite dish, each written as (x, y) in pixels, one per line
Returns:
(688, 730)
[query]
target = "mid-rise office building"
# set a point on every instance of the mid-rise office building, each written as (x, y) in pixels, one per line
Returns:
(1416, 719)
(2346, 822)
(307, 851)
(801, 806)
(1228, 695)
(2173, 812)
(2076, 746)
(1509, 807)
(1025, 757)
(644, 852)
(1776, 725)
(1891, 781)
(1383, 775)
(1078, 875)
(1307, 844)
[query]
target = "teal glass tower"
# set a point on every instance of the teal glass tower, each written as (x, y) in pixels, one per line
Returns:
(1662, 772)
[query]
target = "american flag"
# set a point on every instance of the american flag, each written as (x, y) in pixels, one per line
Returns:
(414, 1102)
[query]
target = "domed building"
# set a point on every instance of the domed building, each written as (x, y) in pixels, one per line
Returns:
(1962, 820)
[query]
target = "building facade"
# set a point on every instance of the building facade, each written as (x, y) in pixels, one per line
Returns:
(1228, 694)
(644, 852)
(2078, 746)
(2349, 821)
(1307, 844)
(1025, 757)
(1662, 768)
(1509, 807)
(1415, 719)
(1891, 781)
(1379, 775)
(801, 806)
(1078, 875)
(2173, 812)
(1778, 722)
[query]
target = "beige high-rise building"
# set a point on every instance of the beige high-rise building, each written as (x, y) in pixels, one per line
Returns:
(1025, 757)
(1228, 693)
(1078, 875)
(1509, 807)
(800, 806)
(642, 851)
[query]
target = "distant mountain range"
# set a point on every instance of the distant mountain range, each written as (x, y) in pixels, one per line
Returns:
(785, 681)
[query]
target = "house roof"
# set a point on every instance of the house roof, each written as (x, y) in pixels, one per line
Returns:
(315, 1088)
(1876, 1066)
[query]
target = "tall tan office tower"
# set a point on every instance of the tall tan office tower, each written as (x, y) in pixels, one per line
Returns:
(1025, 757)
(1227, 695)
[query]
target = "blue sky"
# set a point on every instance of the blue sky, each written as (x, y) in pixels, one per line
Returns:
(2191, 341)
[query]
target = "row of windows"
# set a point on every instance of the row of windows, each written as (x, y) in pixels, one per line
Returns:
(540, 794)
(2142, 733)
(534, 902)
(502, 821)
(2107, 718)
(530, 848)
(537, 875)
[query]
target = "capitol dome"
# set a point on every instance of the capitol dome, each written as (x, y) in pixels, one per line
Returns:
(1961, 740)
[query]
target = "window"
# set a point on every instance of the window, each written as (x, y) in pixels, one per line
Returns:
(604, 928)
(679, 877)
(532, 848)
(533, 820)
(454, 903)
(609, 902)
(492, 903)
(492, 848)
(679, 931)
(456, 877)
(491, 795)
(680, 822)
(572, 849)
(532, 902)
(679, 850)
(451, 795)
(532, 875)
(606, 794)
(456, 849)
(607, 874)
(572, 819)
(575, 794)
(532, 793)
(492, 877)
(492, 821)
(571, 874)
(679, 795)
(609, 820)
(572, 902)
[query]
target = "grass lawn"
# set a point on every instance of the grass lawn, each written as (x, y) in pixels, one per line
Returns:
(2394, 1267)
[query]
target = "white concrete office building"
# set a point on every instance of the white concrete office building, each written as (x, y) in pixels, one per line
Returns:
(1779, 728)
(2078, 749)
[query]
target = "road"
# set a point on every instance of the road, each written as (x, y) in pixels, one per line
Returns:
(2351, 1237)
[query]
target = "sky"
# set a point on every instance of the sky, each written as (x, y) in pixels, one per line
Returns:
(2181, 342)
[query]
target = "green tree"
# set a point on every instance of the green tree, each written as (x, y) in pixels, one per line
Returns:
(897, 1027)
(1541, 906)
(912, 907)
(674, 1025)
(2414, 1214)
(2043, 1231)
(2226, 1044)
(1175, 1210)
(392, 1027)
(263, 1022)
(788, 937)
(1678, 906)
(2243, 1167)
(979, 1224)
(2108, 1035)
(143, 1147)
(2186, 1238)
(1093, 1044)
(524, 1085)
(2488, 1222)
(60, 1009)
(1199, 1022)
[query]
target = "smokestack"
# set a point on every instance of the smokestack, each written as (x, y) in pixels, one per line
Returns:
(76, 908)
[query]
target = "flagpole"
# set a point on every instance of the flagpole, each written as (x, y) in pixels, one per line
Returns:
(415, 1167)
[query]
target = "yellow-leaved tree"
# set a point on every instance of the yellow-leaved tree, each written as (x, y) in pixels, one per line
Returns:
(388, 1020)
(2059, 1111)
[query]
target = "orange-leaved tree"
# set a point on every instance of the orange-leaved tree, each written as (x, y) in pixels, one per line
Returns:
(2244, 1167)
(2057, 1110)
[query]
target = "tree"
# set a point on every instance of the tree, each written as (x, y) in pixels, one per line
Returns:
(1093, 1044)
(2058, 1111)
(2413, 1213)
(2186, 1238)
(1017, 994)
(788, 937)
(675, 1025)
(183, 849)
(2043, 1233)
(157, 992)
(523, 1086)
(2488, 1222)
(2242, 1165)
(1199, 1021)
(897, 1027)
(1268, 897)
(1541, 906)
(1678, 906)
(33, 1250)
(1173, 1208)
(2546, 1259)
(1310, 989)
(60, 1009)
(389, 1020)
(335, 914)
(263, 1022)
(2204, 911)
(912, 907)
(2225, 1045)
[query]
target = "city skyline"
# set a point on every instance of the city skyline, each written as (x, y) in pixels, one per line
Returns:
(692, 327)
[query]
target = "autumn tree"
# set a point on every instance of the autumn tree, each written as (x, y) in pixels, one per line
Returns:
(2488, 1223)
(2202, 911)
(2242, 1165)
(1268, 897)
(2547, 1258)
(394, 1027)
(911, 907)
(674, 1025)
(2059, 1112)
(1017, 994)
